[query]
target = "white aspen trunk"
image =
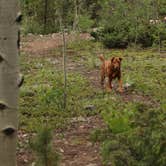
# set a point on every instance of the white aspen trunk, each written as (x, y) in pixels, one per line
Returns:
(9, 18)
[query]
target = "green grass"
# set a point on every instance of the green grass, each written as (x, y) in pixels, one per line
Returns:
(135, 129)
(41, 97)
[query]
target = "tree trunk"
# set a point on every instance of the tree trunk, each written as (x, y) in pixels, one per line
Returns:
(158, 25)
(75, 23)
(64, 69)
(45, 15)
(8, 80)
(136, 33)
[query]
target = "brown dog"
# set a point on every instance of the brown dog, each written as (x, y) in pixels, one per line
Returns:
(112, 69)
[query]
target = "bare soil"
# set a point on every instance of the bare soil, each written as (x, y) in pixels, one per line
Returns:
(40, 45)
(75, 147)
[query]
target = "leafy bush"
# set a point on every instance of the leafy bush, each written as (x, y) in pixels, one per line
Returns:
(110, 37)
(142, 145)
(114, 37)
(30, 26)
(85, 23)
(117, 122)
(52, 98)
(115, 40)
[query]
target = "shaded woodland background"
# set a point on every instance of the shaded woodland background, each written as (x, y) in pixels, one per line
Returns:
(117, 23)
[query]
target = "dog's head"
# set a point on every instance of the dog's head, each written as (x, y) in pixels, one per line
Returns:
(116, 63)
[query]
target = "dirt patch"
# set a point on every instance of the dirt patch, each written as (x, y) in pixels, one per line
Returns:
(41, 45)
(139, 98)
(73, 144)
(24, 155)
(75, 147)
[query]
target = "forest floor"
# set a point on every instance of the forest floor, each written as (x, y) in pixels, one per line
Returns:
(73, 142)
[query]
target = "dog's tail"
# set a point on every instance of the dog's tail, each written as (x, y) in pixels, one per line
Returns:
(101, 57)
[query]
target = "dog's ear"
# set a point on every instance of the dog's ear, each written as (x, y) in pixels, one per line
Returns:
(112, 59)
(120, 59)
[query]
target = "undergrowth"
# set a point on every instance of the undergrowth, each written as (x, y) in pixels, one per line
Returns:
(41, 97)
(42, 146)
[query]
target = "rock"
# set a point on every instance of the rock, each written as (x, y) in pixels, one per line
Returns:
(30, 34)
(78, 119)
(25, 161)
(33, 164)
(61, 150)
(90, 107)
(82, 127)
(92, 164)
(128, 85)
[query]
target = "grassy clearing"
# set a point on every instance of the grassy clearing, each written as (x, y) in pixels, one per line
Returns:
(131, 123)
(145, 70)
(135, 129)
(41, 97)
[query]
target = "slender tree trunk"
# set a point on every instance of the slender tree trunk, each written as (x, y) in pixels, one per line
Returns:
(136, 33)
(64, 68)
(75, 23)
(8, 81)
(61, 24)
(45, 15)
(158, 25)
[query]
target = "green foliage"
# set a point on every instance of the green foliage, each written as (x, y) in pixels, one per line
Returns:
(142, 145)
(85, 23)
(147, 139)
(52, 97)
(58, 12)
(117, 121)
(162, 7)
(126, 22)
(115, 40)
(42, 146)
(116, 154)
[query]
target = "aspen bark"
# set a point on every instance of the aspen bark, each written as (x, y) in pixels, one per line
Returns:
(9, 18)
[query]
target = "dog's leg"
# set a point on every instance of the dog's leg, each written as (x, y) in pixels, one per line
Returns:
(102, 77)
(120, 89)
(109, 84)
(102, 80)
(102, 84)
